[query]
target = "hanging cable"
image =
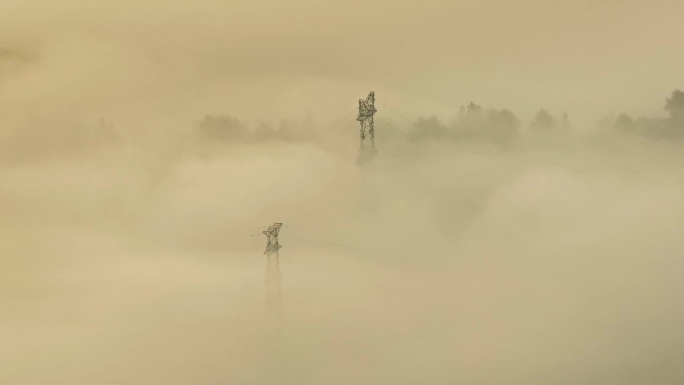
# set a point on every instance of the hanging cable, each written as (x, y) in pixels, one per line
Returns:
(337, 123)
(324, 232)
(402, 116)
(202, 235)
(327, 243)
(394, 128)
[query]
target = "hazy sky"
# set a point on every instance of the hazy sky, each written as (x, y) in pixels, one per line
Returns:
(282, 58)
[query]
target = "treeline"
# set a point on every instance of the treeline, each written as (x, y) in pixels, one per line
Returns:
(225, 128)
(471, 123)
(670, 127)
(476, 123)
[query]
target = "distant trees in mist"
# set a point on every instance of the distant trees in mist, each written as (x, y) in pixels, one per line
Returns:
(472, 122)
(671, 127)
(543, 121)
(475, 123)
(675, 106)
(546, 126)
(11, 60)
(226, 129)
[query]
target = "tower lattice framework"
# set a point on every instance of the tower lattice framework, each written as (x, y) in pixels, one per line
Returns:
(273, 295)
(367, 150)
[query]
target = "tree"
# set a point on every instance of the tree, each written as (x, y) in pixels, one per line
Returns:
(221, 127)
(625, 122)
(106, 132)
(264, 131)
(675, 105)
(470, 121)
(543, 121)
(501, 125)
(565, 122)
(429, 127)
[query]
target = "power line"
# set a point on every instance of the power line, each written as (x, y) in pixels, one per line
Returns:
(394, 128)
(398, 113)
(402, 116)
(336, 123)
(202, 235)
(323, 232)
(327, 243)
(381, 135)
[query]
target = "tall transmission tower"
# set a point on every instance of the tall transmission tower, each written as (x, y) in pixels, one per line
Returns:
(272, 266)
(367, 150)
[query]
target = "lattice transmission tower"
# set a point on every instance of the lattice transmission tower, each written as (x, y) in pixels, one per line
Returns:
(273, 297)
(367, 150)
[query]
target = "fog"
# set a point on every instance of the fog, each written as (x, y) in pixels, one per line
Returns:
(528, 237)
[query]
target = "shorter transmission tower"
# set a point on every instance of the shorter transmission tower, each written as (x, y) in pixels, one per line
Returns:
(272, 266)
(367, 148)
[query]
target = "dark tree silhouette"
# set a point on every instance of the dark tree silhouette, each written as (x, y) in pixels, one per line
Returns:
(221, 127)
(474, 123)
(675, 105)
(501, 125)
(106, 132)
(565, 122)
(543, 121)
(625, 123)
(265, 131)
(668, 128)
(429, 127)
